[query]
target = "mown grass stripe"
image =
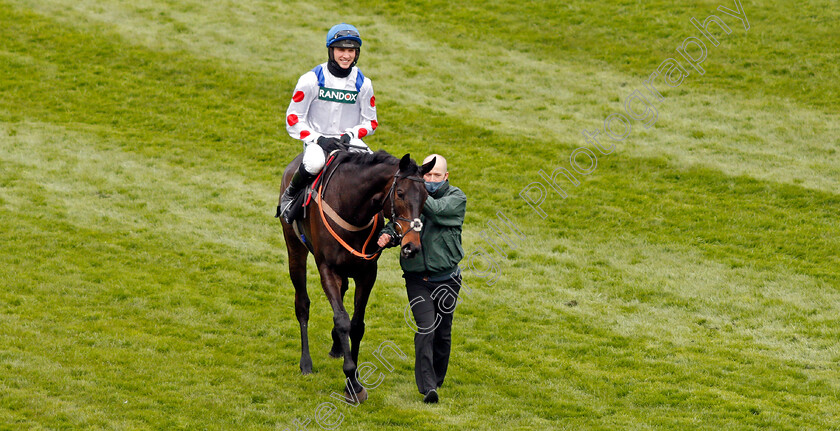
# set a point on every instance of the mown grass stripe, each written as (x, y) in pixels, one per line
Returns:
(703, 299)
(768, 137)
(133, 90)
(635, 37)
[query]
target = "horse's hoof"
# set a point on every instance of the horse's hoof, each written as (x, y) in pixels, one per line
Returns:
(361, 396)
(306, 368)
(336, 355)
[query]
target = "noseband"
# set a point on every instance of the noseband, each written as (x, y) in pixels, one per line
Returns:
(415, 225)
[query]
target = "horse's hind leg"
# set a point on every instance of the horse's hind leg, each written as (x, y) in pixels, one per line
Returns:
(336, 351)
(297, 272)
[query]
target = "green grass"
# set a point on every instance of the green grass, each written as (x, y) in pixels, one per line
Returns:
(690, 282)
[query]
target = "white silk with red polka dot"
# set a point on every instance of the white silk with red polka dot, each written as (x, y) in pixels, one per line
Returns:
(309, 117)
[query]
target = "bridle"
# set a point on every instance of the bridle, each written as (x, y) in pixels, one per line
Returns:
(415, 225)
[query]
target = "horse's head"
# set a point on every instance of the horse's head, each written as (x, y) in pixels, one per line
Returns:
(405, 203)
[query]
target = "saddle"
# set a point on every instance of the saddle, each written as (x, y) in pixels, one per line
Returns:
(303, 200)
(331, 146)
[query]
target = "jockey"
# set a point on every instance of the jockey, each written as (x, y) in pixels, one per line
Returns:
(331, 103)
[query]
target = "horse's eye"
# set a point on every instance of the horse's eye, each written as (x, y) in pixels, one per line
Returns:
(400, 194)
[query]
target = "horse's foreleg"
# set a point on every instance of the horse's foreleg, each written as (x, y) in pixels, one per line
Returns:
(364, 285)
(341, 320)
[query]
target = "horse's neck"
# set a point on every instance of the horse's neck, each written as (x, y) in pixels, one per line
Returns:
(357, 200)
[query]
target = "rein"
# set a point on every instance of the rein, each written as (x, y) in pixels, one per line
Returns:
(416, 224)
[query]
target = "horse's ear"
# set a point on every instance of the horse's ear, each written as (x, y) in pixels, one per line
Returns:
(405, 162)
(427, 166)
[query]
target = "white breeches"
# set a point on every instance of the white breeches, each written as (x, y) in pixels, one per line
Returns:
(313, 159)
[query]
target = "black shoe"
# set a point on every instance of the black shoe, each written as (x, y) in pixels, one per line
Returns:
(431, 397)
(289, 207)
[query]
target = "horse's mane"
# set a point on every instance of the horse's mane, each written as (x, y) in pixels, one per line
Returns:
(371, 159)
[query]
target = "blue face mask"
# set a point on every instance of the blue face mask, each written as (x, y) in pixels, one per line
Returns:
(433, 187)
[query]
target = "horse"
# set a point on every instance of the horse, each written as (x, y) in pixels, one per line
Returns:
(346, 211)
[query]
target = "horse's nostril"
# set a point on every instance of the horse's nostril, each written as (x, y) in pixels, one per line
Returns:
(410, 250)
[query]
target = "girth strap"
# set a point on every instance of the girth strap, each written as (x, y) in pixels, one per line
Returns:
(330, 212)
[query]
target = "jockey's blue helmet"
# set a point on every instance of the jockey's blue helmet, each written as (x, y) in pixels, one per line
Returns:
(343, 36)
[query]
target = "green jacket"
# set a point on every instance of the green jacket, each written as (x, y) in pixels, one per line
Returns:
(440, 239)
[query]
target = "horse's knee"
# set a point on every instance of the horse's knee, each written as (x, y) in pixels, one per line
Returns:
(302, 302)
(302, 308)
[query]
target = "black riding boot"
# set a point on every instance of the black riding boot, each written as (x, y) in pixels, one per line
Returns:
(290, 207)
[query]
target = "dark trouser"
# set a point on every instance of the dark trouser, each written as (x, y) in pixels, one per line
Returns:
(433, 304)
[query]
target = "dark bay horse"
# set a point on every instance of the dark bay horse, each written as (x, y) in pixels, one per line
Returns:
(355, 190)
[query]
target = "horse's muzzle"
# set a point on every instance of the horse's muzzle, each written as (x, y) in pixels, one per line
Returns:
(409, 250)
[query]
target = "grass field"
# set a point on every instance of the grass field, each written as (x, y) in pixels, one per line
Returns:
(691, 281)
